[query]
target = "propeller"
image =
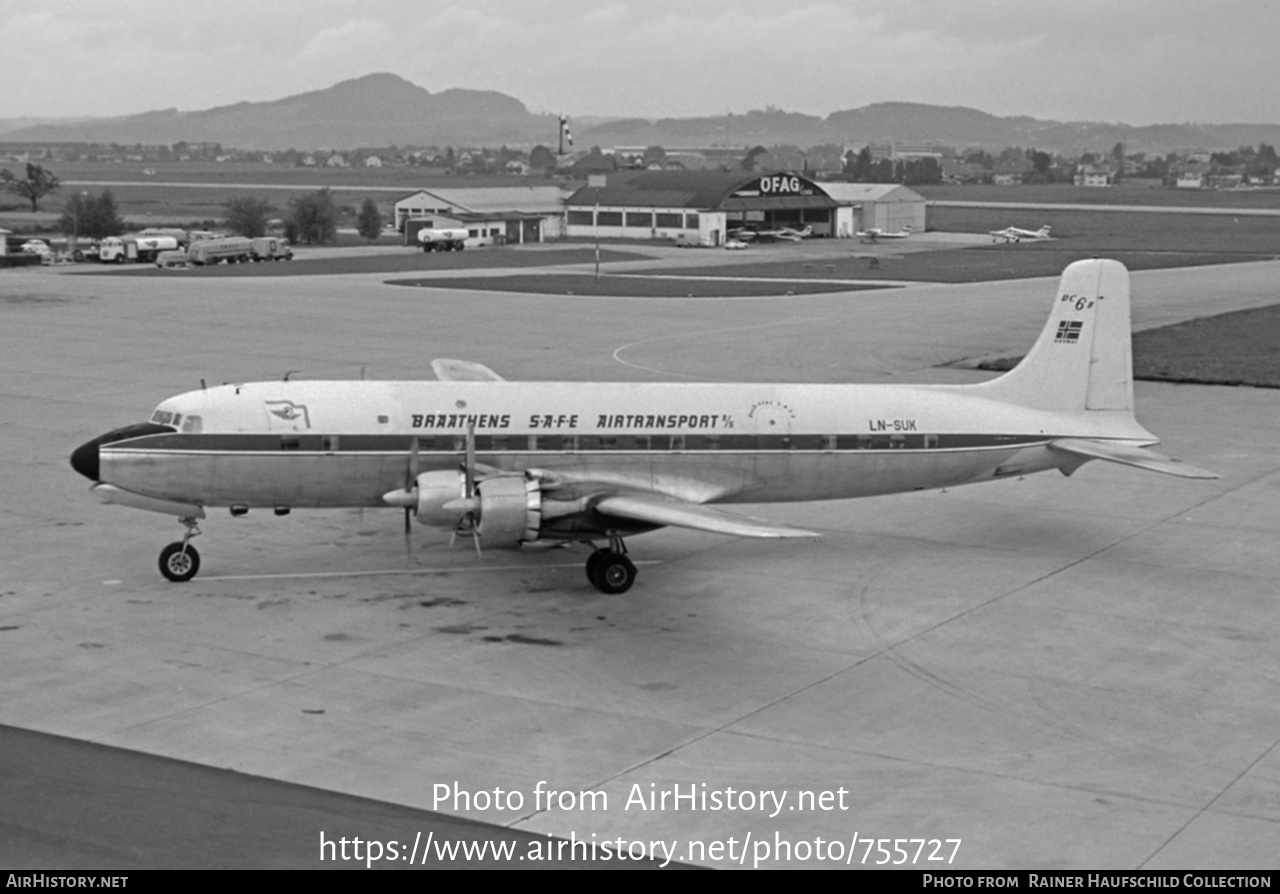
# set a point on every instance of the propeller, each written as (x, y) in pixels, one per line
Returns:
(470, 521)
(410, 478)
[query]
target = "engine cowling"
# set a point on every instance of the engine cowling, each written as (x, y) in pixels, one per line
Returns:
(507, 509)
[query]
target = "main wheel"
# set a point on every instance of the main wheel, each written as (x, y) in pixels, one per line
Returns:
(178, 564)
(593, 564)
(614, 573)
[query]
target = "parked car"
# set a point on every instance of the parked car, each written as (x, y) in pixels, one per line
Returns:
(38, 247)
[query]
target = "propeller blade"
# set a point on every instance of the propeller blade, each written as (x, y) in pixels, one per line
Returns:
(410, 481)
(470, 459)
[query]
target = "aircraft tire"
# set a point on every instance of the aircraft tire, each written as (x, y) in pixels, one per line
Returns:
(593, 564)
(614, 573)
(179, 565)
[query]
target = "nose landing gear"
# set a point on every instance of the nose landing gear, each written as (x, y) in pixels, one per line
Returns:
(179, 561)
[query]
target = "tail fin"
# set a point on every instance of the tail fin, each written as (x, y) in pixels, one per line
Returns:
(1082, 359)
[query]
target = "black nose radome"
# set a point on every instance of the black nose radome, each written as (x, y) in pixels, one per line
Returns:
(84, 459)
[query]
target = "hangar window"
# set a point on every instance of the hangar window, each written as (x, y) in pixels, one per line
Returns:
(580, 218)
(691, 221)
(609, 218)
(639, 218)
(473, 233)
(667, 219)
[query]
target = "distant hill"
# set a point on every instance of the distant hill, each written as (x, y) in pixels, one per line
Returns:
(385, 109)
(375, 110)
(907, 122)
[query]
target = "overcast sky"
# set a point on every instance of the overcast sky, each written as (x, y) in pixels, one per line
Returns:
(1132, 61)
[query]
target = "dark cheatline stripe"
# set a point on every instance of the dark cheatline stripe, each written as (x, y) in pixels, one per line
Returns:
(629, 443)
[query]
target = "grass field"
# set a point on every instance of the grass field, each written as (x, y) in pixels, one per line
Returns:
(1120, 194)
(1237, 348)
(981, 264)
(157, 201)
(633, 286)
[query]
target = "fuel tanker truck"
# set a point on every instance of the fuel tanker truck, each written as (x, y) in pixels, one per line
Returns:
(442, 240)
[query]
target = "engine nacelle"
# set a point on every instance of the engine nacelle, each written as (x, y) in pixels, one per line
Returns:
(433, 490)
(508, 508)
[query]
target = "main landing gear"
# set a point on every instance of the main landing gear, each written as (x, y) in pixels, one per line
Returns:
(179, 561)
(609, 570)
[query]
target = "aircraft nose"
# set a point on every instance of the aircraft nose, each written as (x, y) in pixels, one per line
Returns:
(84, 459)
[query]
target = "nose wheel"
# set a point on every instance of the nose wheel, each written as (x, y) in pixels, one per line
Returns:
(179, 561)
(609, 570)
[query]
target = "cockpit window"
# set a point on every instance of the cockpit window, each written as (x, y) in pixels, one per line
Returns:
(164, 417)
(191, 424)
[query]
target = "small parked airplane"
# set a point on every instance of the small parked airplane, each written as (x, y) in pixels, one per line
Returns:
(511, 463)
(1014, 234)
(785, 234)
(875, 234)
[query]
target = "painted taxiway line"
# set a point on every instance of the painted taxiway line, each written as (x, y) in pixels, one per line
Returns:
(402, 571)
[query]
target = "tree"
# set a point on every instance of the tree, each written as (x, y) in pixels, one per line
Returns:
(39, 183)
(91, 217)
(542, 158)
(654, 155)
(248, 216)
(862, 166)
(316, 217)
(369, 220)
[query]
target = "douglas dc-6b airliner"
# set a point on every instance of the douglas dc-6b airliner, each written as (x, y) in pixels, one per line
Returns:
(511, 463)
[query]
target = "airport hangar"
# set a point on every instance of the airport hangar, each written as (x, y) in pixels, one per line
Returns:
(702, 207)
(490, 215)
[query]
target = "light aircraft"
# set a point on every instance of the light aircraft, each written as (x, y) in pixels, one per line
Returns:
(785, 234)
(1014, 234)
(875, 234)
(511, 463)
(791, 234)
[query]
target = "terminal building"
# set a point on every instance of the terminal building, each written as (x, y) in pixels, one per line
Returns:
(703, 207)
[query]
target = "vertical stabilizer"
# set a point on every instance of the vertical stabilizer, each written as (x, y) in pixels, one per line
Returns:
(1082, 359)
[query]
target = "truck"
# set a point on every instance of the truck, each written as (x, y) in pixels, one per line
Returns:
(232, 249)
(143, 249)
(271, 248)
(442, 240)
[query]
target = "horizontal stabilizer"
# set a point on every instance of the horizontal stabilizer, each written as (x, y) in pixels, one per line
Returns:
(1129, 456)
(656, 509)
(463, 371)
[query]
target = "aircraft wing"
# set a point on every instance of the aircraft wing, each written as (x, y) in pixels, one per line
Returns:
(1138, 457)
(657, 509)
(463, 371)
